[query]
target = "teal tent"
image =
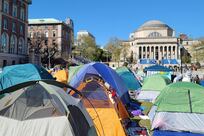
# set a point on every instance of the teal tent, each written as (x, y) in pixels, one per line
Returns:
(128, 78)
(12, 75)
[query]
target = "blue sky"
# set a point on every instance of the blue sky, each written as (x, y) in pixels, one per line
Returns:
(118, 18)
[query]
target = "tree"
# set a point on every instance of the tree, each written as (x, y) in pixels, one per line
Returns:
(114, 46)
(197, 51)
(39, 45)
(125, 51)
(87, 47)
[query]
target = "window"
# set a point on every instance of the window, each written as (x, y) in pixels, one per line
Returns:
(4, 42)
(13, 43)
(14, 12)
(13, 27)
(31, 34)
(13, 62)
(4, 63)
(21, 29)
(20, 46)
(22, 14)
(154, 34)
(5, 24)
(46, 34)
(53, 33)
(6, 7)
(67, 35)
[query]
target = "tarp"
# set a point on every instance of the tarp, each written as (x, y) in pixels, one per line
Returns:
(155, 83)
(107, 74)
(128, 78)
(202, 83)
(43, 108)
(16, 74)
(172, 133)
(157, 68)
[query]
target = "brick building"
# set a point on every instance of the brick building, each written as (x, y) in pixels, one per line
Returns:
(13, 31)
(56, 32)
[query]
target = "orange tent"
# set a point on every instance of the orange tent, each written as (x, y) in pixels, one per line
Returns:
(107, 111)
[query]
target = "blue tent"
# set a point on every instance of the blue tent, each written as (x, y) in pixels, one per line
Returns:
(158, 68)
(172, 133)
(107, 74)
(12, 75)
(202, 82)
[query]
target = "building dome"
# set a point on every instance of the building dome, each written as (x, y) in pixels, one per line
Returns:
(153, 24)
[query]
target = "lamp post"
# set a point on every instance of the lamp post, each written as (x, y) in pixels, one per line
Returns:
(180, 49)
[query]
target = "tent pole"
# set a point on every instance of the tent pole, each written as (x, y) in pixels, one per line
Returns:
(190, 103)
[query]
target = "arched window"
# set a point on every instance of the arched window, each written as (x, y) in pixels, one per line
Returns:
(21, 46)
(4, 42)
(13, 44)
(154, 34)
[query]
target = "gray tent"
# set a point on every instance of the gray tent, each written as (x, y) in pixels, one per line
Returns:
(42, 108)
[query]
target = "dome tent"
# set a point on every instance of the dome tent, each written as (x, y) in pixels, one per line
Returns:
(128, 77)
(107, 74)
(152, 87)
(42, 108)
(16, 74)
(179, 107)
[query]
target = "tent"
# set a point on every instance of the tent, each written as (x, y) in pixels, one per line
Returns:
(128, 78)
(42, 108)
(73, 70)
(202, 82)
(158, 69)
(106, 110)
(179, 107)
(172, 133)
(107, 74)
(152, 87)
(16, 74)
(61, 76)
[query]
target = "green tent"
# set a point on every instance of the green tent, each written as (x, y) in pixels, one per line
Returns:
(155, 83)
(73, 70)
(179, 107)
(181, 97)
(128, 77)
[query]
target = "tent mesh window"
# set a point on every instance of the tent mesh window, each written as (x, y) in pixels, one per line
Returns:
(78, 122)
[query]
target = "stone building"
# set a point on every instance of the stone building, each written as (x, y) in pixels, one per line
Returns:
(13, 31)
(56, 32)
(155, 42)
(81, 34)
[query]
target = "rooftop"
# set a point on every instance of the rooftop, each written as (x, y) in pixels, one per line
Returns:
(44, 21)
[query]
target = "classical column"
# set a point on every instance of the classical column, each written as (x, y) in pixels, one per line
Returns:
(167, 52)
(146, 52)
(154, 52)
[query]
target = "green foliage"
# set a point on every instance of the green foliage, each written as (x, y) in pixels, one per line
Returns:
(198, 52)
(186, 58)
(114, 47)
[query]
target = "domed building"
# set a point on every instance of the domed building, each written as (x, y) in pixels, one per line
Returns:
(155, 41)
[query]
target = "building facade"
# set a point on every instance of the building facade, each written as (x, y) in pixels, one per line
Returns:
(13, 31)
(56, 32)
(81, 34)
(155, 42)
